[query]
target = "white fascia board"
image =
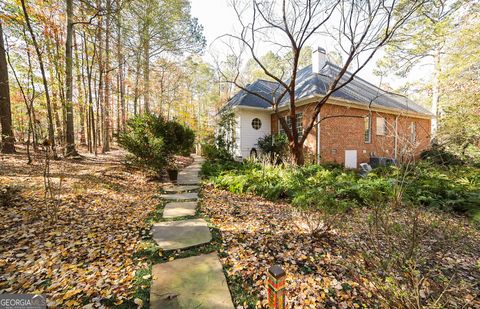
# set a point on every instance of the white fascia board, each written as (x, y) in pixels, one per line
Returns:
(353, 104)
(240, 107)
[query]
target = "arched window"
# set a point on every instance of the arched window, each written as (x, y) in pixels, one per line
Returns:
(256, 123)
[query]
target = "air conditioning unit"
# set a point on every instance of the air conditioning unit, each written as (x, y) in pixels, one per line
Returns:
(381, 161)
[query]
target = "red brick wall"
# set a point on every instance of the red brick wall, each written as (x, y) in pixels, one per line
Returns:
(347, 133)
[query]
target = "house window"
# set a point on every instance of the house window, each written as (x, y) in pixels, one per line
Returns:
(367, 122)
(256, 123)
(381, 126)
(413, 132)
(299, 118)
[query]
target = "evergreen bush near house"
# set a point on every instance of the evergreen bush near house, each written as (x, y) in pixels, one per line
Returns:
(218, 149)
(153, 141)
(214, 153)
(275, 145)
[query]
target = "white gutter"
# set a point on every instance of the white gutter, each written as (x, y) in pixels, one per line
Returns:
(353, 104)
(268, 109)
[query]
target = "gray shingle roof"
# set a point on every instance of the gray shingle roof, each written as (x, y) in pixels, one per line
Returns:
(309, 84)
(244, 98)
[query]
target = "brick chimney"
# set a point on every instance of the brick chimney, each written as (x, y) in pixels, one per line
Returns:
(319, 58)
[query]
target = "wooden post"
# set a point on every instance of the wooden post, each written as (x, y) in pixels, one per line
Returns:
(276, 287)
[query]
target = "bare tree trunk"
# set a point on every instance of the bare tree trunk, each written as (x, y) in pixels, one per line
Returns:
(136, 94)
(100, 96)
(8, 140)
(146, 76)
(435, 91)
(91, 117)
(121, 73)
(31, 128)
(146, 63)
(27, 105)
(70, 133)
(32, 98)
(51, 134)
(56, 97)
(55, 59)
(80, 91)
(106, 108)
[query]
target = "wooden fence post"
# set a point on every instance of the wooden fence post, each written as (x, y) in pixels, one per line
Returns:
(276, 287)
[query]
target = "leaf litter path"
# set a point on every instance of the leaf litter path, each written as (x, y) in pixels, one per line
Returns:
(196, 281)
(86, 257)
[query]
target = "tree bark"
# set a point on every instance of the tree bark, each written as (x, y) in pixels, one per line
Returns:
(146, 67)
(100, 96)
(70, 134)
(136, 94)
(81, 92)
(55, 59)
(8, 140)
(435, 91)
(30, 107)
(51, 134)
(106, 108)
(121, 73)
(146, 79)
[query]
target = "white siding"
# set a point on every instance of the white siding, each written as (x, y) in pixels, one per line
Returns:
(238, 134)
(247, 136)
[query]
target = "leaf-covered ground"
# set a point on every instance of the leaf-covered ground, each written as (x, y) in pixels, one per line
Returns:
(86, 256)
(330, 271)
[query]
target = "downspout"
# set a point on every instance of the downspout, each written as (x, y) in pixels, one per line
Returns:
(396, 137)
(318, 138)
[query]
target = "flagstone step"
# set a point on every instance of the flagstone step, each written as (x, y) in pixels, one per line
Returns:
(193, 282)
(188, 178)
(181, 234)
(179, 209)
(179, 189)
(180, 196)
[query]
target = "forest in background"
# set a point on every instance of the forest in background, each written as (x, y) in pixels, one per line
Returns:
(78, 70)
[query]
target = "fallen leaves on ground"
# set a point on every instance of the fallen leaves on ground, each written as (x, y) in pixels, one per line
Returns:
(86, 256)
(321, 273)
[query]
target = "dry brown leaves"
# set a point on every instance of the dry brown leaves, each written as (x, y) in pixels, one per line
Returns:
(87, 255)
(258, 234)
(320, 272)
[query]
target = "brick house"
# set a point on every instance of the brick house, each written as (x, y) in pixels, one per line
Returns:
(358, 122)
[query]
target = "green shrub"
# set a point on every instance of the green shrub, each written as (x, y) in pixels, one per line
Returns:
(215, 168)
(323, 187)
(214, 153)
(153, 141)
(450, 188)
(439, 155)
(275, 145)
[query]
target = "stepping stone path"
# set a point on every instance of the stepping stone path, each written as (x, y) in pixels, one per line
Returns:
(179, 209)
(180, 196)
(193, 282)
(177, 189)
(181, 234)
(189, 175)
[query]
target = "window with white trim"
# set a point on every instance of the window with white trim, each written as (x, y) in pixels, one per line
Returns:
(299, 119)
(381, 126)
(367, 133)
